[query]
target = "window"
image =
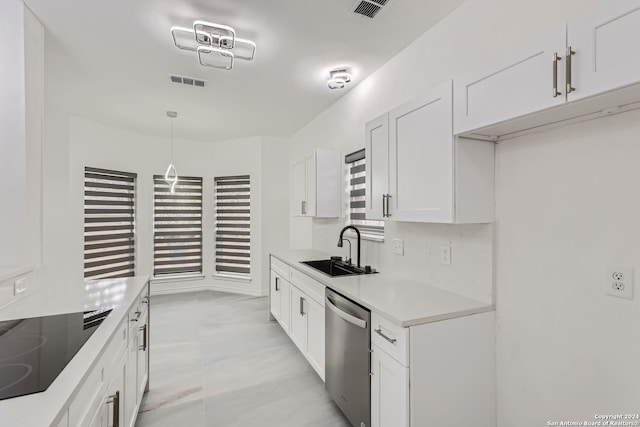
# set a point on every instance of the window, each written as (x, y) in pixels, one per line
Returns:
(233, 225)
(109, 219)
(356, 189)
(177, 226)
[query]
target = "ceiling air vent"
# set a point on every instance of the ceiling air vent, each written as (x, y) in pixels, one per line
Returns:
(368, 8)
(189, 81)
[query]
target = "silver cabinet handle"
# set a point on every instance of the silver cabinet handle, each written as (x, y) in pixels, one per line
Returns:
(301, 306)
(304, 207)
(384, 211)
(137, 313)
(143, 329)
(388, 211)
(391, 340)
(556, 58)
(115, 399)
(277, 284)
(145, 300)
(570, 53)
(346, 316)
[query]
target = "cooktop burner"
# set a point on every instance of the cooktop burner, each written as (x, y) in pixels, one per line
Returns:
(34, 351)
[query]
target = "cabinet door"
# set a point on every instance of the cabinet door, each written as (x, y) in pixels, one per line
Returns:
(315, 337)
(143, 361)
(275, 295)
(377, 165)
(389, 391)
(605, 41)
(285, 305)
(517, 84)
(421, 154)
(309, 207)
(116, 395)
(299, 319)
(299, 187)
(131, 379)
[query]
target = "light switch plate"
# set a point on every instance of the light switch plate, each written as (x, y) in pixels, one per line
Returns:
(19, 286)
(398, 246)
(445, 255)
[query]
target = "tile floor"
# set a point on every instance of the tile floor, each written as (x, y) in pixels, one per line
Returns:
(217, 362)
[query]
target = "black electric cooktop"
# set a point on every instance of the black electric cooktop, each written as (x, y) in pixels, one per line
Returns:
(34, 351)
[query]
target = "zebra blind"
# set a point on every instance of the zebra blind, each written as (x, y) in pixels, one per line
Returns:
(233, 225)
(109, 220)
(356, 188)
(177, 226)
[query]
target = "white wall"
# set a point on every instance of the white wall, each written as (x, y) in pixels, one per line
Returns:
(21, 112)
(565, 350)
(73, 143)
(568, 205)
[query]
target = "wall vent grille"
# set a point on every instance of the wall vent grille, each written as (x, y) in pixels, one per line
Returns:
(189, 81)
(368, 8)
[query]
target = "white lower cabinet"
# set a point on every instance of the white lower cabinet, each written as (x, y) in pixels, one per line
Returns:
(298, 305)
(298, 319)
(389, 391)
(315, 336)
(279, 301)
(114, 402)
(112, 391)
(439, 374)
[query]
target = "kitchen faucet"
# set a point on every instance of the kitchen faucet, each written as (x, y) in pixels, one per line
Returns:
(340, 240)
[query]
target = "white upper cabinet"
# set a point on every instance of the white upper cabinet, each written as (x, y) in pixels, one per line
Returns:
(430, 175)
(299, 187)
(519, 83)
(583, 69)
(605, 42)
(316, 185)
(377, 169)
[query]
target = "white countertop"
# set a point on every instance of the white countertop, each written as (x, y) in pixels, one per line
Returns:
(405, 302)
(42, 409)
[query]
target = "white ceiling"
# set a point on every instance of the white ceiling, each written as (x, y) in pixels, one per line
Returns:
(110, 60)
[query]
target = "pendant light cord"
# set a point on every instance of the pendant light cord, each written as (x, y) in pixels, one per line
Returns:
(171, 140)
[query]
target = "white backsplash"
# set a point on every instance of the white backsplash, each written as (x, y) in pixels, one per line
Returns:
(470, 272)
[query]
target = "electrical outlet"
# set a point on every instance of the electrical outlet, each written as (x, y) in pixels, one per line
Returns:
(445, 255)
(398, 246)
(19, 286)
(619, 282)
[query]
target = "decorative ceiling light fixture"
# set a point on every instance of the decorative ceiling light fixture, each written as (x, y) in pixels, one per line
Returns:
(171, 176)
(216, 45)
(339, 79)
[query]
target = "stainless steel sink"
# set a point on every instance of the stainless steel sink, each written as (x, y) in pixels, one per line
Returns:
(334, 267)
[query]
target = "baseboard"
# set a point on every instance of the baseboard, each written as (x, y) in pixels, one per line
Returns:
(163, 289)
(166, 288)
(232, 290)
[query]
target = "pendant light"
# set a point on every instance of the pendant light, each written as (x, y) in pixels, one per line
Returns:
(171, 176)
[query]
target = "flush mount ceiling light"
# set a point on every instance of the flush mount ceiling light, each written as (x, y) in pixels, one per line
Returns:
(216, 45)
(339, 79)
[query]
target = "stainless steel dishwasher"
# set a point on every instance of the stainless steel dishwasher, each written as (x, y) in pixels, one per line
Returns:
(347, 357)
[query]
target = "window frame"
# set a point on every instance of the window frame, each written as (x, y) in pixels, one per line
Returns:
(358, 159)
(187, 192)
(241, 214)
(117, 190)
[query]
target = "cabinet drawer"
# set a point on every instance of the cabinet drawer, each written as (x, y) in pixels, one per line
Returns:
(391, 338)
(309, 286)
(280, 267)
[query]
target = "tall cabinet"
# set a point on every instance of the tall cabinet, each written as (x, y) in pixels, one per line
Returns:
(417, 171)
